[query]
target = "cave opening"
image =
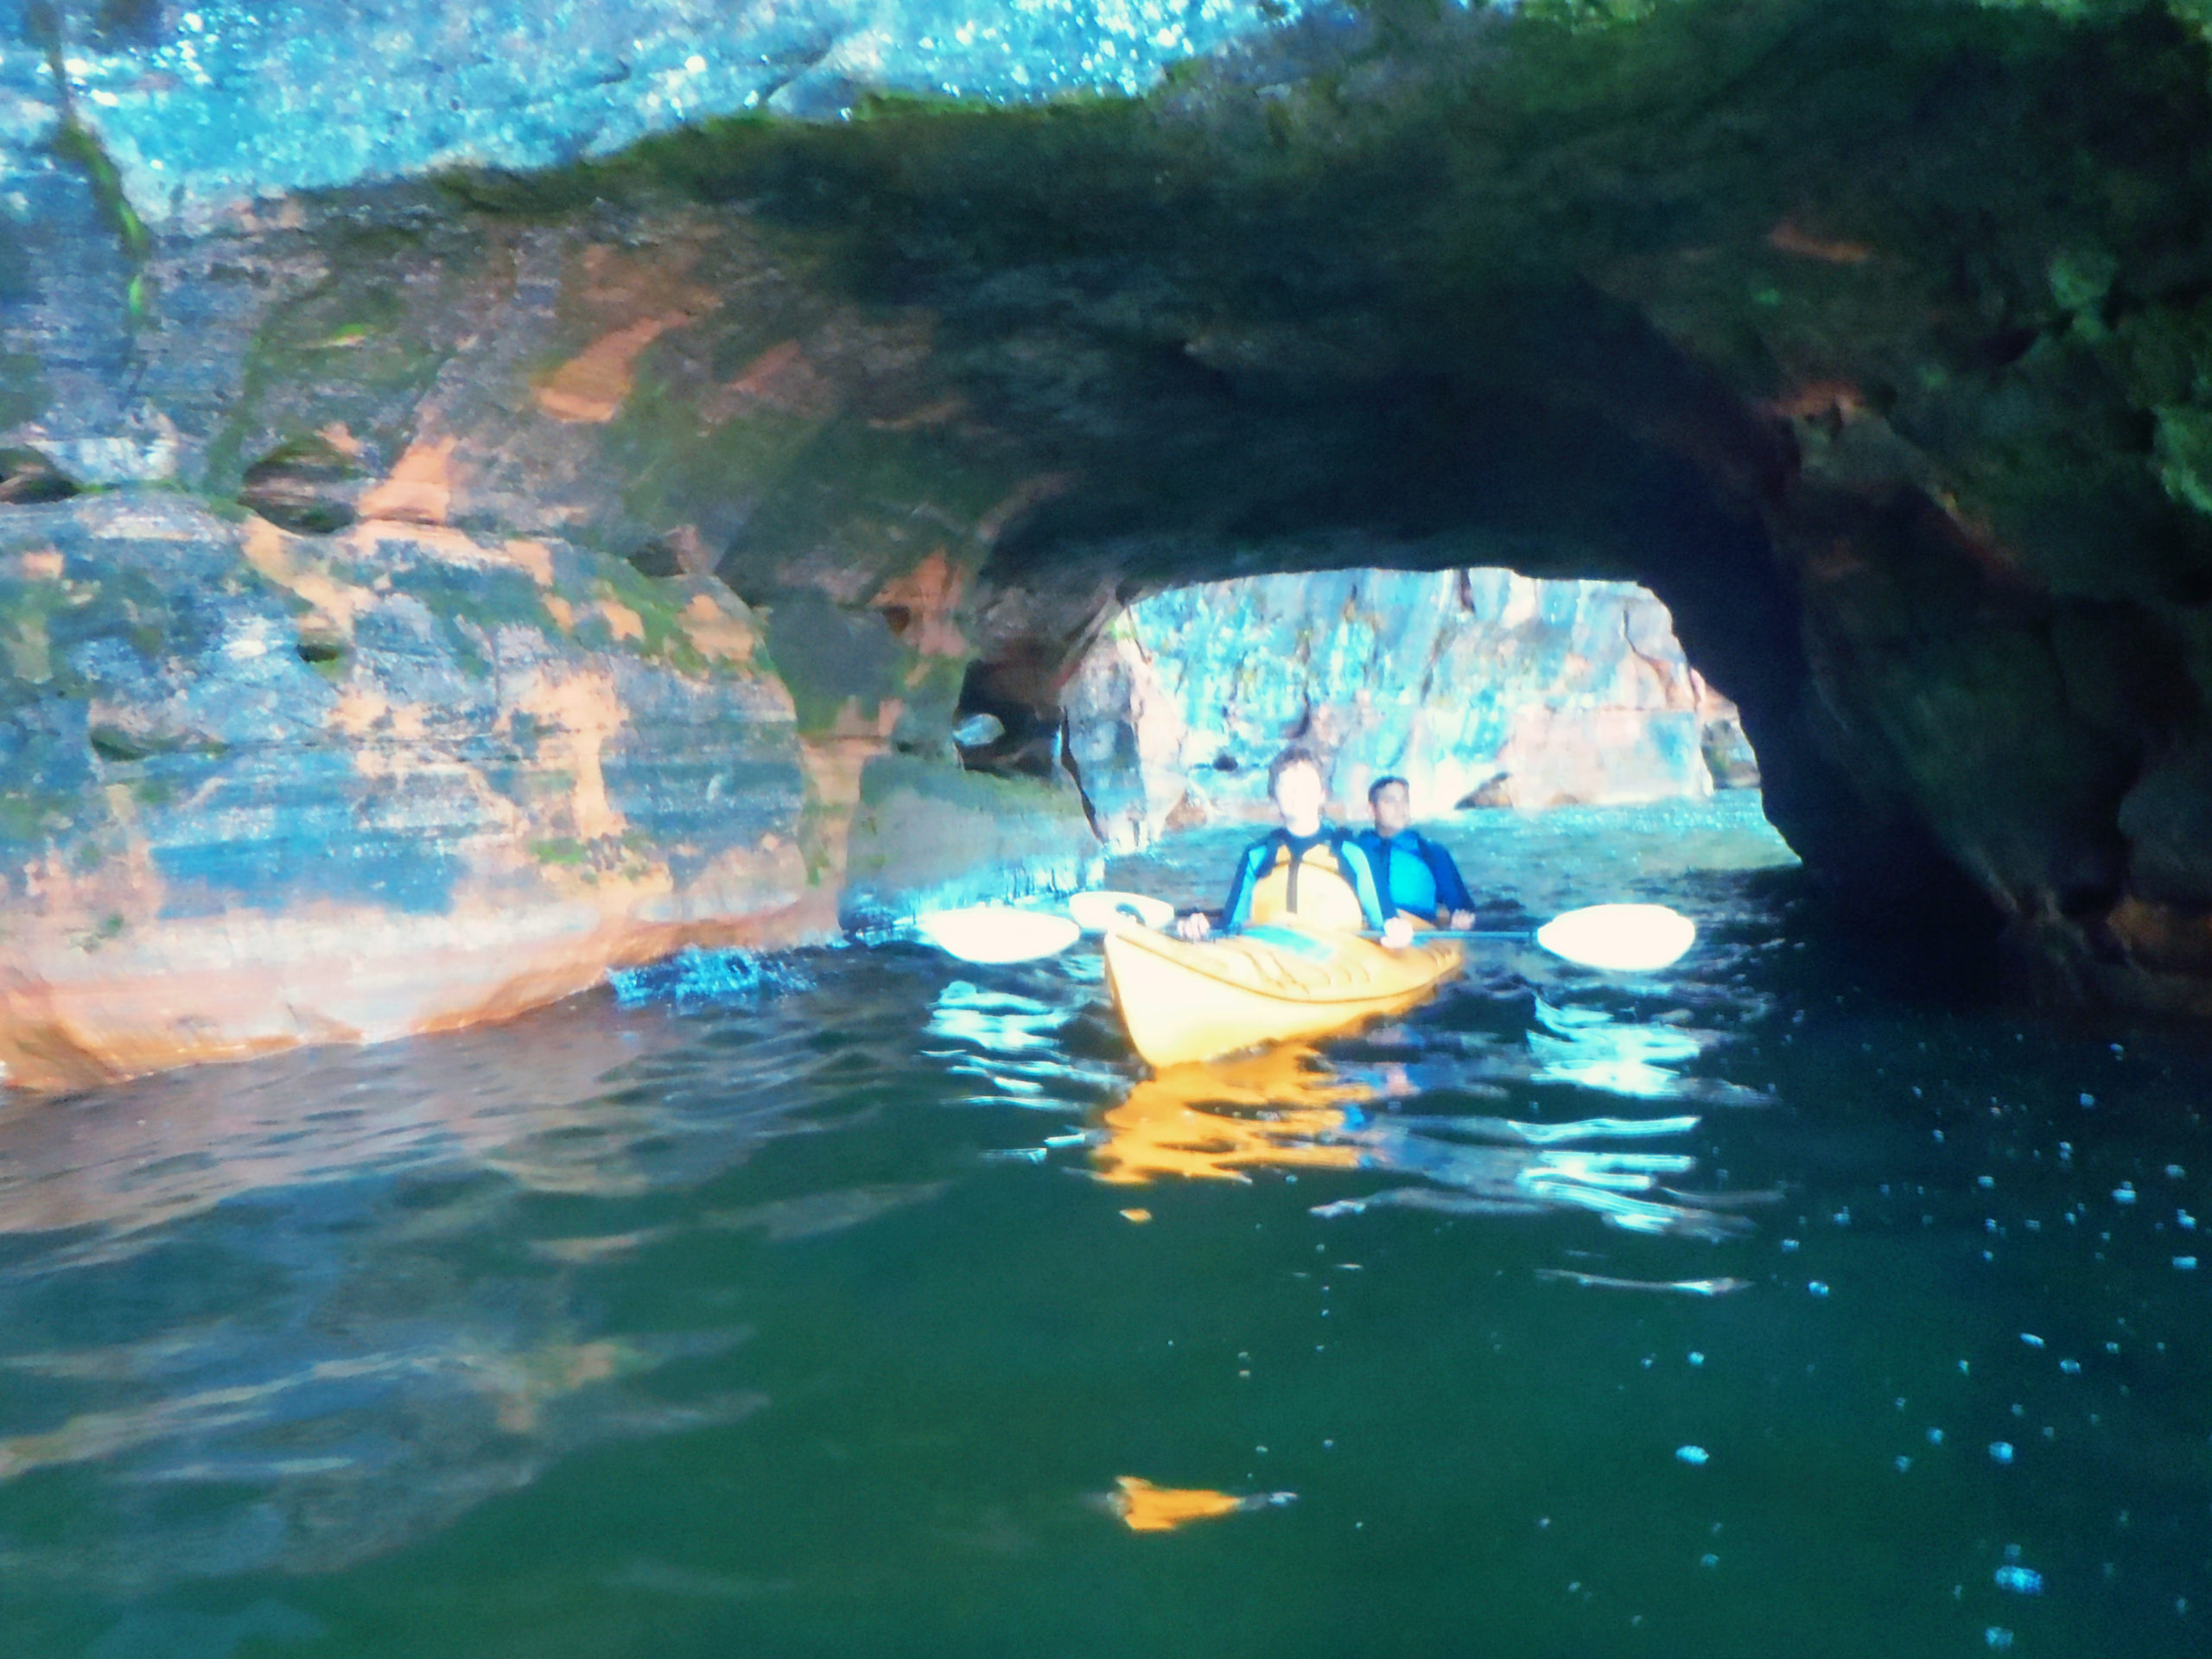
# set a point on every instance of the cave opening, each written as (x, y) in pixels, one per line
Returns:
(1478, 687)
(1559, 443)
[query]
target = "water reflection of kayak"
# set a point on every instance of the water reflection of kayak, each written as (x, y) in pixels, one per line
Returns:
(1183, 1001)
(1275, 1110)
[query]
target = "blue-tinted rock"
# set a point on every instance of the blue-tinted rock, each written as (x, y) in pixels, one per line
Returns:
(1478, 687)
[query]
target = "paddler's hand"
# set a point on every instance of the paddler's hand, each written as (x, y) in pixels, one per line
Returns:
(1194, 926)
(1397, 933)
(1463, 921)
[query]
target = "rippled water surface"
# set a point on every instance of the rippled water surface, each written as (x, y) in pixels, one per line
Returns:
(880, 1305)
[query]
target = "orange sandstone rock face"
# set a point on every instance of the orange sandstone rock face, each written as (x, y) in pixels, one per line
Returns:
(269, 790)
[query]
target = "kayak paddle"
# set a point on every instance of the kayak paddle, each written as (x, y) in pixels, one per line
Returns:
(1624, 938)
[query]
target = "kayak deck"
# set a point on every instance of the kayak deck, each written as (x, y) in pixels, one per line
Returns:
(1183, 1001)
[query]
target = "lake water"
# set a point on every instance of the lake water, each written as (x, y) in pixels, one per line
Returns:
(1749, 1309)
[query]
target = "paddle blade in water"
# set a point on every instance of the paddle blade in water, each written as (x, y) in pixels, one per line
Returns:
(1627, 939)
(1094, 913)
(997, 933)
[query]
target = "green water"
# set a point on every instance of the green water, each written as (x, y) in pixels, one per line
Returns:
(801, 1323)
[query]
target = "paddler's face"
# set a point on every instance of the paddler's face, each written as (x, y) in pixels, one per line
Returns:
(1393, 807)
(1300, 795)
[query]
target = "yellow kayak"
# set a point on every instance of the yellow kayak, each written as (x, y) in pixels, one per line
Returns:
(1183, 1001)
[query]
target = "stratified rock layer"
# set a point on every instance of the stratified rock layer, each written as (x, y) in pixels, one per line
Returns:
(1478, 687)
(266, 791)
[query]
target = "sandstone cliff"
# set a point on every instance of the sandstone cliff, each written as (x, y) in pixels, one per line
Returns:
(1479, 688)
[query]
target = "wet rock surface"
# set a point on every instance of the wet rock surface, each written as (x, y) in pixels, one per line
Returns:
(1873, 341)
(266, 789)
(1479, 688)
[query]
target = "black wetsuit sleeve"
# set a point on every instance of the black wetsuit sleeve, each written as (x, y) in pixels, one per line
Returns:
(1238, 909)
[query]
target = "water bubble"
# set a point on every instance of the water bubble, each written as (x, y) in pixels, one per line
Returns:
(2001, 1451)
(1693, 1455)
(2185, 1263)
(1818, 1287)
(2031, 1340)
(1903, 1463)
(2089, 1101)
(2020, 1580)
(1997, 1636)
(1935, 1437)
(2071, 1367)
(2124, 1193)
(1708, 1559)
(1696, 1359)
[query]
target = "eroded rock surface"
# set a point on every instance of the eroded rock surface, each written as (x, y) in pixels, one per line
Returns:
(267, 788)
(1479, 688)
(1873, 340)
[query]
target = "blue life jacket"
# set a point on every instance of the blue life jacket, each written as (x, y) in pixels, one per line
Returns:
(1414, 876)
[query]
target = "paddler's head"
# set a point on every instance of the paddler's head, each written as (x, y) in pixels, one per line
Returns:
(1294, 781)
(1392, 803)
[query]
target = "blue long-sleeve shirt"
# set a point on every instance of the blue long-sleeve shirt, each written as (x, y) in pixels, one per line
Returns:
(1413, 875)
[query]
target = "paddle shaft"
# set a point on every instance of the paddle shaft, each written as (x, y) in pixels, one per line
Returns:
(1466, 933)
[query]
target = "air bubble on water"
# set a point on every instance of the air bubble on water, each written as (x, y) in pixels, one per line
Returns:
(1935, 1437)
(2020, 1580)
(2185, 1263)
(2089, 1101)
(1903, 1463)
(1788, 1243)
(2031, 1340)
(2071, 1367)
(1818, 1287)
(2001, 1451)
(1986, 1180)
(2175, 1172)
(1708, 1559)
(2124, 1193)
(1693, 1455)
(1696, 1359)
(1997, 1636)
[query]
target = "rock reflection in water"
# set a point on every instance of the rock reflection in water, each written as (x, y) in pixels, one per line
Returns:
(356, 1363)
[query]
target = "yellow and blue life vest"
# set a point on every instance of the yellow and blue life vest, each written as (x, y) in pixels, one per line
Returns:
(1319, 881)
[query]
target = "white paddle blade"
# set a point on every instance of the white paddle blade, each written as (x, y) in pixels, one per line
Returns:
(1096, 912)
(989, 933)
(1626, 938)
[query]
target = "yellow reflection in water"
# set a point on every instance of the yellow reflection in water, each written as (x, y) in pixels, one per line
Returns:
(1213, 1120)
(1144, 1507)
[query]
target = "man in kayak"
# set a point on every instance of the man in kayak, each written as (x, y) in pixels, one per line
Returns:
(1307, 871)
(1413, 875)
